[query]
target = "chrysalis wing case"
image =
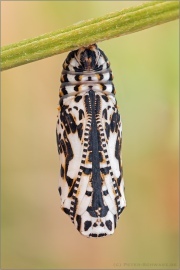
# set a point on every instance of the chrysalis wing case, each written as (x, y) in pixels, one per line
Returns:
(89, 136)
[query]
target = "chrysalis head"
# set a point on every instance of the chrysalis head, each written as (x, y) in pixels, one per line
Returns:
(89, 58)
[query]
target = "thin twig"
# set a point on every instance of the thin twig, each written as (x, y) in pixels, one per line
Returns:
(87, 32)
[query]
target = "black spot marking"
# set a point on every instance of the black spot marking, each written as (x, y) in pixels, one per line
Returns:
(61, 102)
(65, 78)
(60, 191)
(105, 98)
(105, 192)
(105, 170)
(103, 86)
(58, 140)
(69, 181)
(77, 77)
(64, 91)
(109, 224)
(119, 179)
(88, 193)
(66, 210)
(104, 113)
(78, 98)
(114, 122)
(87, 225)
(78, 219)
(81, 114)
(95, 224)
(102, 234)
(118, 148)
(80, 130)
(113, 89)
(68, 59)
(107, 130)
(114, 221)
(101, 76)
(62, 171)
(87, 171)
(76, 88)
(93, 235)
(110, 77)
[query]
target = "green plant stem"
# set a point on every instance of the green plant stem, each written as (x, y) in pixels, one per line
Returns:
(88, 32)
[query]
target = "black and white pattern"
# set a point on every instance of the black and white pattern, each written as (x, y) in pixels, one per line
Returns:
(89, 136)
